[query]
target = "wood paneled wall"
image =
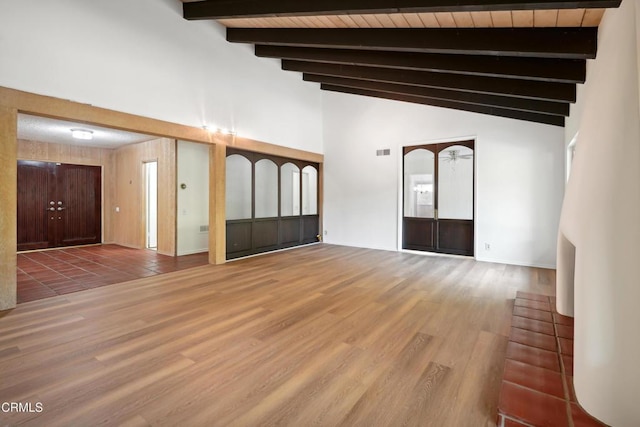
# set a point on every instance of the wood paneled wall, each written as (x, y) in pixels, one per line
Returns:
(217, 211)
(9, 207)
(12, 101)
(129, 184)
(80, 155)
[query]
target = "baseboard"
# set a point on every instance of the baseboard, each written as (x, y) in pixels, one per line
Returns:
(195, 251)
(516, 262)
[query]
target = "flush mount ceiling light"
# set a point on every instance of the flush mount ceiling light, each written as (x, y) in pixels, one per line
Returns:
(82, 134)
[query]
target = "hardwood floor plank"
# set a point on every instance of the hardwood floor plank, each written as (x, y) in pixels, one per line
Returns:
(320, 335)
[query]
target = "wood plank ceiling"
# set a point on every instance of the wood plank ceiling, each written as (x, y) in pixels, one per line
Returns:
(520, 59)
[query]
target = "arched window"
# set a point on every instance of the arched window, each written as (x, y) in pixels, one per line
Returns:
(238, 189)
(289, 190)
(266, 197)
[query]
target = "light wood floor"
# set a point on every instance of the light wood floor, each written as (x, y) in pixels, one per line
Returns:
(322, 335)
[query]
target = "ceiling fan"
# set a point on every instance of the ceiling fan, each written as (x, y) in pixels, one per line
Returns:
(454, 155)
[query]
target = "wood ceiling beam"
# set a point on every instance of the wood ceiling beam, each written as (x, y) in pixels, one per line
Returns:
(494, 111)
(556, 92)
(568, 43)
(225, 9)
(541, 69)
(520, 104)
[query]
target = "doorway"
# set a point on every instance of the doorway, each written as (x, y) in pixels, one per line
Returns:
(438, 198)
(58, 205)
(151, 204)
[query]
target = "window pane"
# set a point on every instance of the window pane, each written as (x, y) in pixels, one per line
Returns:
(238, 189)
(266, 189)
(455, 183)
(309, 191)
(418, 183)
(290, 190)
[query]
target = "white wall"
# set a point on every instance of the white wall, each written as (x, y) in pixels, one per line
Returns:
(519, 185)
(601, 218)
(193, 201)
(142, 57)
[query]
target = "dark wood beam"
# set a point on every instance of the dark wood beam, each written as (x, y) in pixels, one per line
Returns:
(520, 104)
(541, 69)
(568, 43)
(557, 92)
(224, 9)
(494, 111)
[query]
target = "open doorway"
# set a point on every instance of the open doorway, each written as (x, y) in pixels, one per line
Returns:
(151, 204)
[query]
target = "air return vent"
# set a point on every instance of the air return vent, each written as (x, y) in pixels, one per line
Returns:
(383, 152)
(204, 228)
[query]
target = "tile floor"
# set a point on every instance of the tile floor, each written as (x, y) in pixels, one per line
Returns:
(45, 274)
(537, 385)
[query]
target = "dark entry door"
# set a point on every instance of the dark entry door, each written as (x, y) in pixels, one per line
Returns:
(58, 205)
(439, 198)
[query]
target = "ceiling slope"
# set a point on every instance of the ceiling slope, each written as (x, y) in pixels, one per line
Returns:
(509, 58)
(225, 9)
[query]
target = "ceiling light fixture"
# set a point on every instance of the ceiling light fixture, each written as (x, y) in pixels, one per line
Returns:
(223, 131)
(82, 134)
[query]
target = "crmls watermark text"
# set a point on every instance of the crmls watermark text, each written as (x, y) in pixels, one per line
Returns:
(7, 407)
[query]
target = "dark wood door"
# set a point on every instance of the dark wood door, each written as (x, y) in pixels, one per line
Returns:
(79, 197)
(36, 181)
(439, 198)
(58, 205)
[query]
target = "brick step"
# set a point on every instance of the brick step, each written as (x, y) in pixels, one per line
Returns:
(537, 382)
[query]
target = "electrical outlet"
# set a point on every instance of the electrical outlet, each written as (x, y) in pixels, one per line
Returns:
(487, 246)
(326, 232)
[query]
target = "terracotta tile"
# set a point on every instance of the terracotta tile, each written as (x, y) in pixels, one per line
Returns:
(532, 325)
(533, 356)
(531, 313)
(532, 407)
(69, 290)
(571, 390)
(70, 270)
(533, 339)
(582, 419)
(562, 320)
(535, 378)
(530, 296)
(552, 303)
(567, 363)
(564, 331)
(538, 305)
(566, 346)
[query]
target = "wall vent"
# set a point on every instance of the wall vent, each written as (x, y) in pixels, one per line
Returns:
(204, 228)
(383, 152)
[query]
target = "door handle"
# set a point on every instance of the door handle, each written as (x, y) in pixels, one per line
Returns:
(59, 208)
(50, 209)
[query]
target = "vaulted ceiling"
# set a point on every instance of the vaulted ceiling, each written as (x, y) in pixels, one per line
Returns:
(520, 59)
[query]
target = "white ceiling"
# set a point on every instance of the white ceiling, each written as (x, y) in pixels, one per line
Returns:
(43, 129)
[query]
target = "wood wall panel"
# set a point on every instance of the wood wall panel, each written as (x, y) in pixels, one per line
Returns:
(129, 223)
(46, 106)
(217, 200)
(8, 198)
(80, 155)
(12, 101)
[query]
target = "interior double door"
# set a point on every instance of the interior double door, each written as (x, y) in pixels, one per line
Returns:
(58, 205)
(439, 198)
